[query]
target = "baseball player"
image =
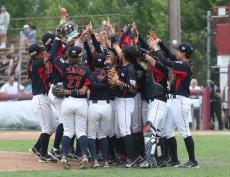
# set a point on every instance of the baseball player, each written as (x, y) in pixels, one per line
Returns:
(180, 105)
(157, 110)
(40, 101)
(116, 145)
(54, 78)
(74, 106)
(126, 90)
(100, 111)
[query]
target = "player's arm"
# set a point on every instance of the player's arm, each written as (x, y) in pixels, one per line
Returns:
(60, 65)
(166, 50)
(142, 42)
(153, 44)
(113, 39)
(56, 46)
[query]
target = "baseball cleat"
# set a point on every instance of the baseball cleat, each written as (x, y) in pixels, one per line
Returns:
(35, 152)
(105, 164)
(148, 164)
(47, 159)
(56, 154)
(190, 164)
(65, 163)
(173, 163)
(131, 164)
(75, 158)
(84, 162)
(95, 164)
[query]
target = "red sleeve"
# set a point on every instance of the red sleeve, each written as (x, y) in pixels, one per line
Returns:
(87, 82)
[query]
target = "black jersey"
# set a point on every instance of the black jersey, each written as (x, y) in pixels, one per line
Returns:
(141, 73)
(52, 68)
(100, 89)
(160, 74)
(127, 74)
(182, 74)
(75, 76)
(39, 78)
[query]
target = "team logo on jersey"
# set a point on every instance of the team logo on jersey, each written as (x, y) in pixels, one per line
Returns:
(132, 82)
(62, 60)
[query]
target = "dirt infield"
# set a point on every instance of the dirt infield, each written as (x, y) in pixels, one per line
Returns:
(18, 161)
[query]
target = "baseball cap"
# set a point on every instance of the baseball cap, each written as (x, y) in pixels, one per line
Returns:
(3, 7)
(47, 39)
(74, 52)
(185, 47)
(35, 49)
(99, 60)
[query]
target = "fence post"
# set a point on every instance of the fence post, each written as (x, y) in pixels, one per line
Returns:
(20, 60)
(206, 108)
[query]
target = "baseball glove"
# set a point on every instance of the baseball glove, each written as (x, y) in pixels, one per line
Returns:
(58, 91)
(112, 76)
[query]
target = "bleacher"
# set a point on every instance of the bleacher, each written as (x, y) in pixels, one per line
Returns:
(9, 62)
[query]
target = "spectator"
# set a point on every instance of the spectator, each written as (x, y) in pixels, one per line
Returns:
(26, 36)
(225, 107)
(196, 103)
(11, 87)
(215, 101)
(4, 23)
(28, 89)
(33, 35)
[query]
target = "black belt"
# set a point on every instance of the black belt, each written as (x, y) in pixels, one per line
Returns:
(176, 96)
(80, 96)
(150, 100)
(96, 101)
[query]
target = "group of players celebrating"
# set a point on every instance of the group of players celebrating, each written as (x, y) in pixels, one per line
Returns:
(110, 93)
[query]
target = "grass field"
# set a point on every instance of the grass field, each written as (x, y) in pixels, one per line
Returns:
(213, 154)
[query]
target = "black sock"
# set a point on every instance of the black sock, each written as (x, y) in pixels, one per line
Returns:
(166, 149)
(97, 146)
(83, 141)
(44, 142)
(130, 147)
(139, 143)
(93, 148)
(173, 148)
(120, 146)
(37, 144)
(58, 136)
(189, 143)
(65, 143)
(72, 142)
(104, 147)
(111, 142)
(78, 148)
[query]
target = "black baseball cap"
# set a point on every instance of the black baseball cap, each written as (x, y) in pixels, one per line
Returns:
(99, 60)
(74, 52)
(35, 49)
(185, 47)
(47, 39)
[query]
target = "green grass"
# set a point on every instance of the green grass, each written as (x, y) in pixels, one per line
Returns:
(213, 154)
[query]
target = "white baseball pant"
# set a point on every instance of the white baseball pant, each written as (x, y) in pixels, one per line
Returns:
(99, 116)
(137, 119)
(42, 110)
(179, 112)
(74, 114)
(55, 105)
(157, 112)
(124, 111)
